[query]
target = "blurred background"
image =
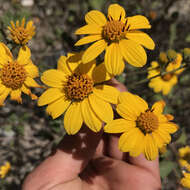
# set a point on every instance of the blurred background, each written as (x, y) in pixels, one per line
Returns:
(28, 134)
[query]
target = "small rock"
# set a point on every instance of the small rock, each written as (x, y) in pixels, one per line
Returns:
(27, 3)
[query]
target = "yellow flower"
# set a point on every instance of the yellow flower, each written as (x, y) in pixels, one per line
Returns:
(118, 35)
(144, 130)
(16, 76)
(21, 34)
(164, 83)
(76, 89)
(4, 170)
(184, 157)
(185, 181)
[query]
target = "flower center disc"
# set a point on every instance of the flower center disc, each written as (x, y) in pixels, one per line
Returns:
(78, 87)
(114, 30)
(147, 122)
(167, 77)
(13, 75)
(21, 34)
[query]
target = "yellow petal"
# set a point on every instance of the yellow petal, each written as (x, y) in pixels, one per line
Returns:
(133, 53)
(73, 118)
(116, 12)
(89, 29)
(16, 95)
(90, 118)
(169, 117)
(130, 106)
(58, 107)
(88, 39)
(30, 82)
(4, 95)
(138, 22)
(169, 127)
(62, 65)
(150, 149)
(32, 70)
(49, 96)
(29, 25)
(158, 107)
(100, 74)
(2, 89)
(5, 54)
(113, 59)
(167, 88)
(24, 55)
(141, 38)
(107, 93)
(102, 109)
(94, 50)
(119, 126)
(159, 140)
(164, 134)
(54, 78)
(95, 17)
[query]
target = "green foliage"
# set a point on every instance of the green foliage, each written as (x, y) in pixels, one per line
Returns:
(166, 167)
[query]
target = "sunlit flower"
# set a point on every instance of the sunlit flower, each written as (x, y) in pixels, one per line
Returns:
(185, 181)
(16, 76)
(184, 157)
(164, 83)
(4, 169)
(21, 34)
(118, 35)
(76, 89)
(145, 130)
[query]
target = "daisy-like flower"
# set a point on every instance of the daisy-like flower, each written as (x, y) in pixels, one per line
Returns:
(16, 76)
(164, 83)
(4, 169)
(185, 181)
(76, 89)
(184, 157)
(118, 35)
(21, 34)
(145, 130)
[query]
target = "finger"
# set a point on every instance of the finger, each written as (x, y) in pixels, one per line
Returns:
(69, 159)
(113, 82)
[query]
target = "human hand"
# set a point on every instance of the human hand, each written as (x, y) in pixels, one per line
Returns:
(91, 160)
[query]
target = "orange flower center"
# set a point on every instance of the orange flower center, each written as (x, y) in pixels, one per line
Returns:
(114, 30)
(78, 87)
(13, 75)
(147, 122)
(167, 77)
(20, 33)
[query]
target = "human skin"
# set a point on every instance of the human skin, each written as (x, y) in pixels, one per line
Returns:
(92, 161)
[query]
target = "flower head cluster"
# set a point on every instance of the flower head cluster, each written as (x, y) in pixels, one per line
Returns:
(145, 130)
(118, 35)
(76, 89)
(16, 75)
(185, 181)
(165, 82)
(184, 157)
(21, 34)
(4, 169)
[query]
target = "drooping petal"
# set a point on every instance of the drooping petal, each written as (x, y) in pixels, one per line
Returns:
(58, 107)
(119, 126)
(16, 95)
(73, 118)
(24, 55)
(49, 96)
(158, 107)
(88, 39)
(30, 82)
(100, 74)
(107, 93)
(89, 29)
(133, 53)
(4, 95)
(141, 38)
(94, 50)
(130, 106)
(169, 127)
(114, 60)
(62, 65)
(138, 22)
(95, 17)
(90, 118)
(150, 148)
(54, 78)
(5, 54)
(102, 109)
(116, 12)
(32, 70)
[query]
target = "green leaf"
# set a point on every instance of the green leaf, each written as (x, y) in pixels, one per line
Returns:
(166, 167)
(182, 139)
